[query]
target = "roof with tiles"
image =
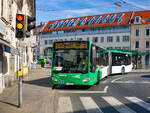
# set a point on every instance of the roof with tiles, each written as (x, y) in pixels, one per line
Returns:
(112, 19)
(38, 29)
(144, 15)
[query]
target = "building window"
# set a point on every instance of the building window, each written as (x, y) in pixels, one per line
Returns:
(90, 20)
(125, 39)
(118, 39)
(109, 39)
(147, 44)
(125, 48)
(104, 19)
(88, 38)
(118, 48)
(119, 18)
(45, 42)
(50, 41)
(147, 32)
(137, 19)
(80, 39)
(97, 20)
(82, 21)
(55, 40)
(111, 19)
(109, 47)
(137, 32)
(95, 39)
(61, 39)
(137, 44)
(102, 39)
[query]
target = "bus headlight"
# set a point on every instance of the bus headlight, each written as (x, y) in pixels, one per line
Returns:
(86, 80)
(54, 79)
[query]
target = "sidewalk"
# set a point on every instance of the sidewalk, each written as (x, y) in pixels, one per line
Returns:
(37, 94)
(141, 70)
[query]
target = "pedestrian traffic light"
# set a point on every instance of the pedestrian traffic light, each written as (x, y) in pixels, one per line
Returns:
(29, 23)
(19, 26)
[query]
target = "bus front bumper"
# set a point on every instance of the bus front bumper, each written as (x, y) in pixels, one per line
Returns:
(84, 81)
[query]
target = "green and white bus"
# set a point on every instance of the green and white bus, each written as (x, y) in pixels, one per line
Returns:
(78, 63)
(85, 63)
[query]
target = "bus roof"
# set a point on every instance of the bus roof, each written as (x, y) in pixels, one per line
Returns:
(118, 51)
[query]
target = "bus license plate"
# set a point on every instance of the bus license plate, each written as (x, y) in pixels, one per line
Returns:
(69, 83)
(61, 82)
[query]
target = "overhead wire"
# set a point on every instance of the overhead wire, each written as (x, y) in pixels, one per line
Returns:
(134, 5)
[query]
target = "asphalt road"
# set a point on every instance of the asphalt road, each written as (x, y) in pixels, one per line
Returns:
(129, 93)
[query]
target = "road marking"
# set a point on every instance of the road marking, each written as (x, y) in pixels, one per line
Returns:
(64, 105)
(90, 105)
(72, 91)
(105, 89)
(139, 102)
(133, 82)
(120, 107)
(116, 79)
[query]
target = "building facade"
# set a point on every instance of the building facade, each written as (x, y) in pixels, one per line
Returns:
(140, 33)
(36, 45)
(9, 54)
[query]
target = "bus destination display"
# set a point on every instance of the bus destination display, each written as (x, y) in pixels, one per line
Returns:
(71, 45)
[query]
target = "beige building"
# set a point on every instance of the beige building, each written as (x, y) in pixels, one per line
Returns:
(140, 37)
(9, 54)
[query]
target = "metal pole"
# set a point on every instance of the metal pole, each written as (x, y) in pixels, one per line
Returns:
(20, 81)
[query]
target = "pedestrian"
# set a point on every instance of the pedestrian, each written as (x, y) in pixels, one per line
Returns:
(42, 64)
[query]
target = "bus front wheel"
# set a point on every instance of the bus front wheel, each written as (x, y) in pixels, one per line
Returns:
(53, 86)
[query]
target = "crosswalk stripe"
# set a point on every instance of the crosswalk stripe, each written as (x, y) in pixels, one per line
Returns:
(64, 105)
(90, 105)
(118, 105)
(139, 102)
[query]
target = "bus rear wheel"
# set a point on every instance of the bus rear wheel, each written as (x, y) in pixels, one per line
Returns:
(123, 71)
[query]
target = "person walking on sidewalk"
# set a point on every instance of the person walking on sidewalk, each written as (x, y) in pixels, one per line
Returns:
(42, 64)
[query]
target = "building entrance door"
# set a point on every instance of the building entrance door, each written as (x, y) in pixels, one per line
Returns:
(147, 60)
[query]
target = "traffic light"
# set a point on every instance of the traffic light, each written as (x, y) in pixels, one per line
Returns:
(30, 23)
(20, 26)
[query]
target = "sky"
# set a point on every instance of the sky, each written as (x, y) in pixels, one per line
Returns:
(47, 10)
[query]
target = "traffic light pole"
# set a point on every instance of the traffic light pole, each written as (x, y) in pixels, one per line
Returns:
(20, 79)
(23, 25)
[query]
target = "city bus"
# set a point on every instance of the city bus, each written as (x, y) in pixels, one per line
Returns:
(78, 63)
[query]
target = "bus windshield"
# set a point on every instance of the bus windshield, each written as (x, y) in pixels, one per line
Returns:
(70, 61)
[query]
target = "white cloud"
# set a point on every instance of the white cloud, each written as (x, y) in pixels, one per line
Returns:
(81, 11)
